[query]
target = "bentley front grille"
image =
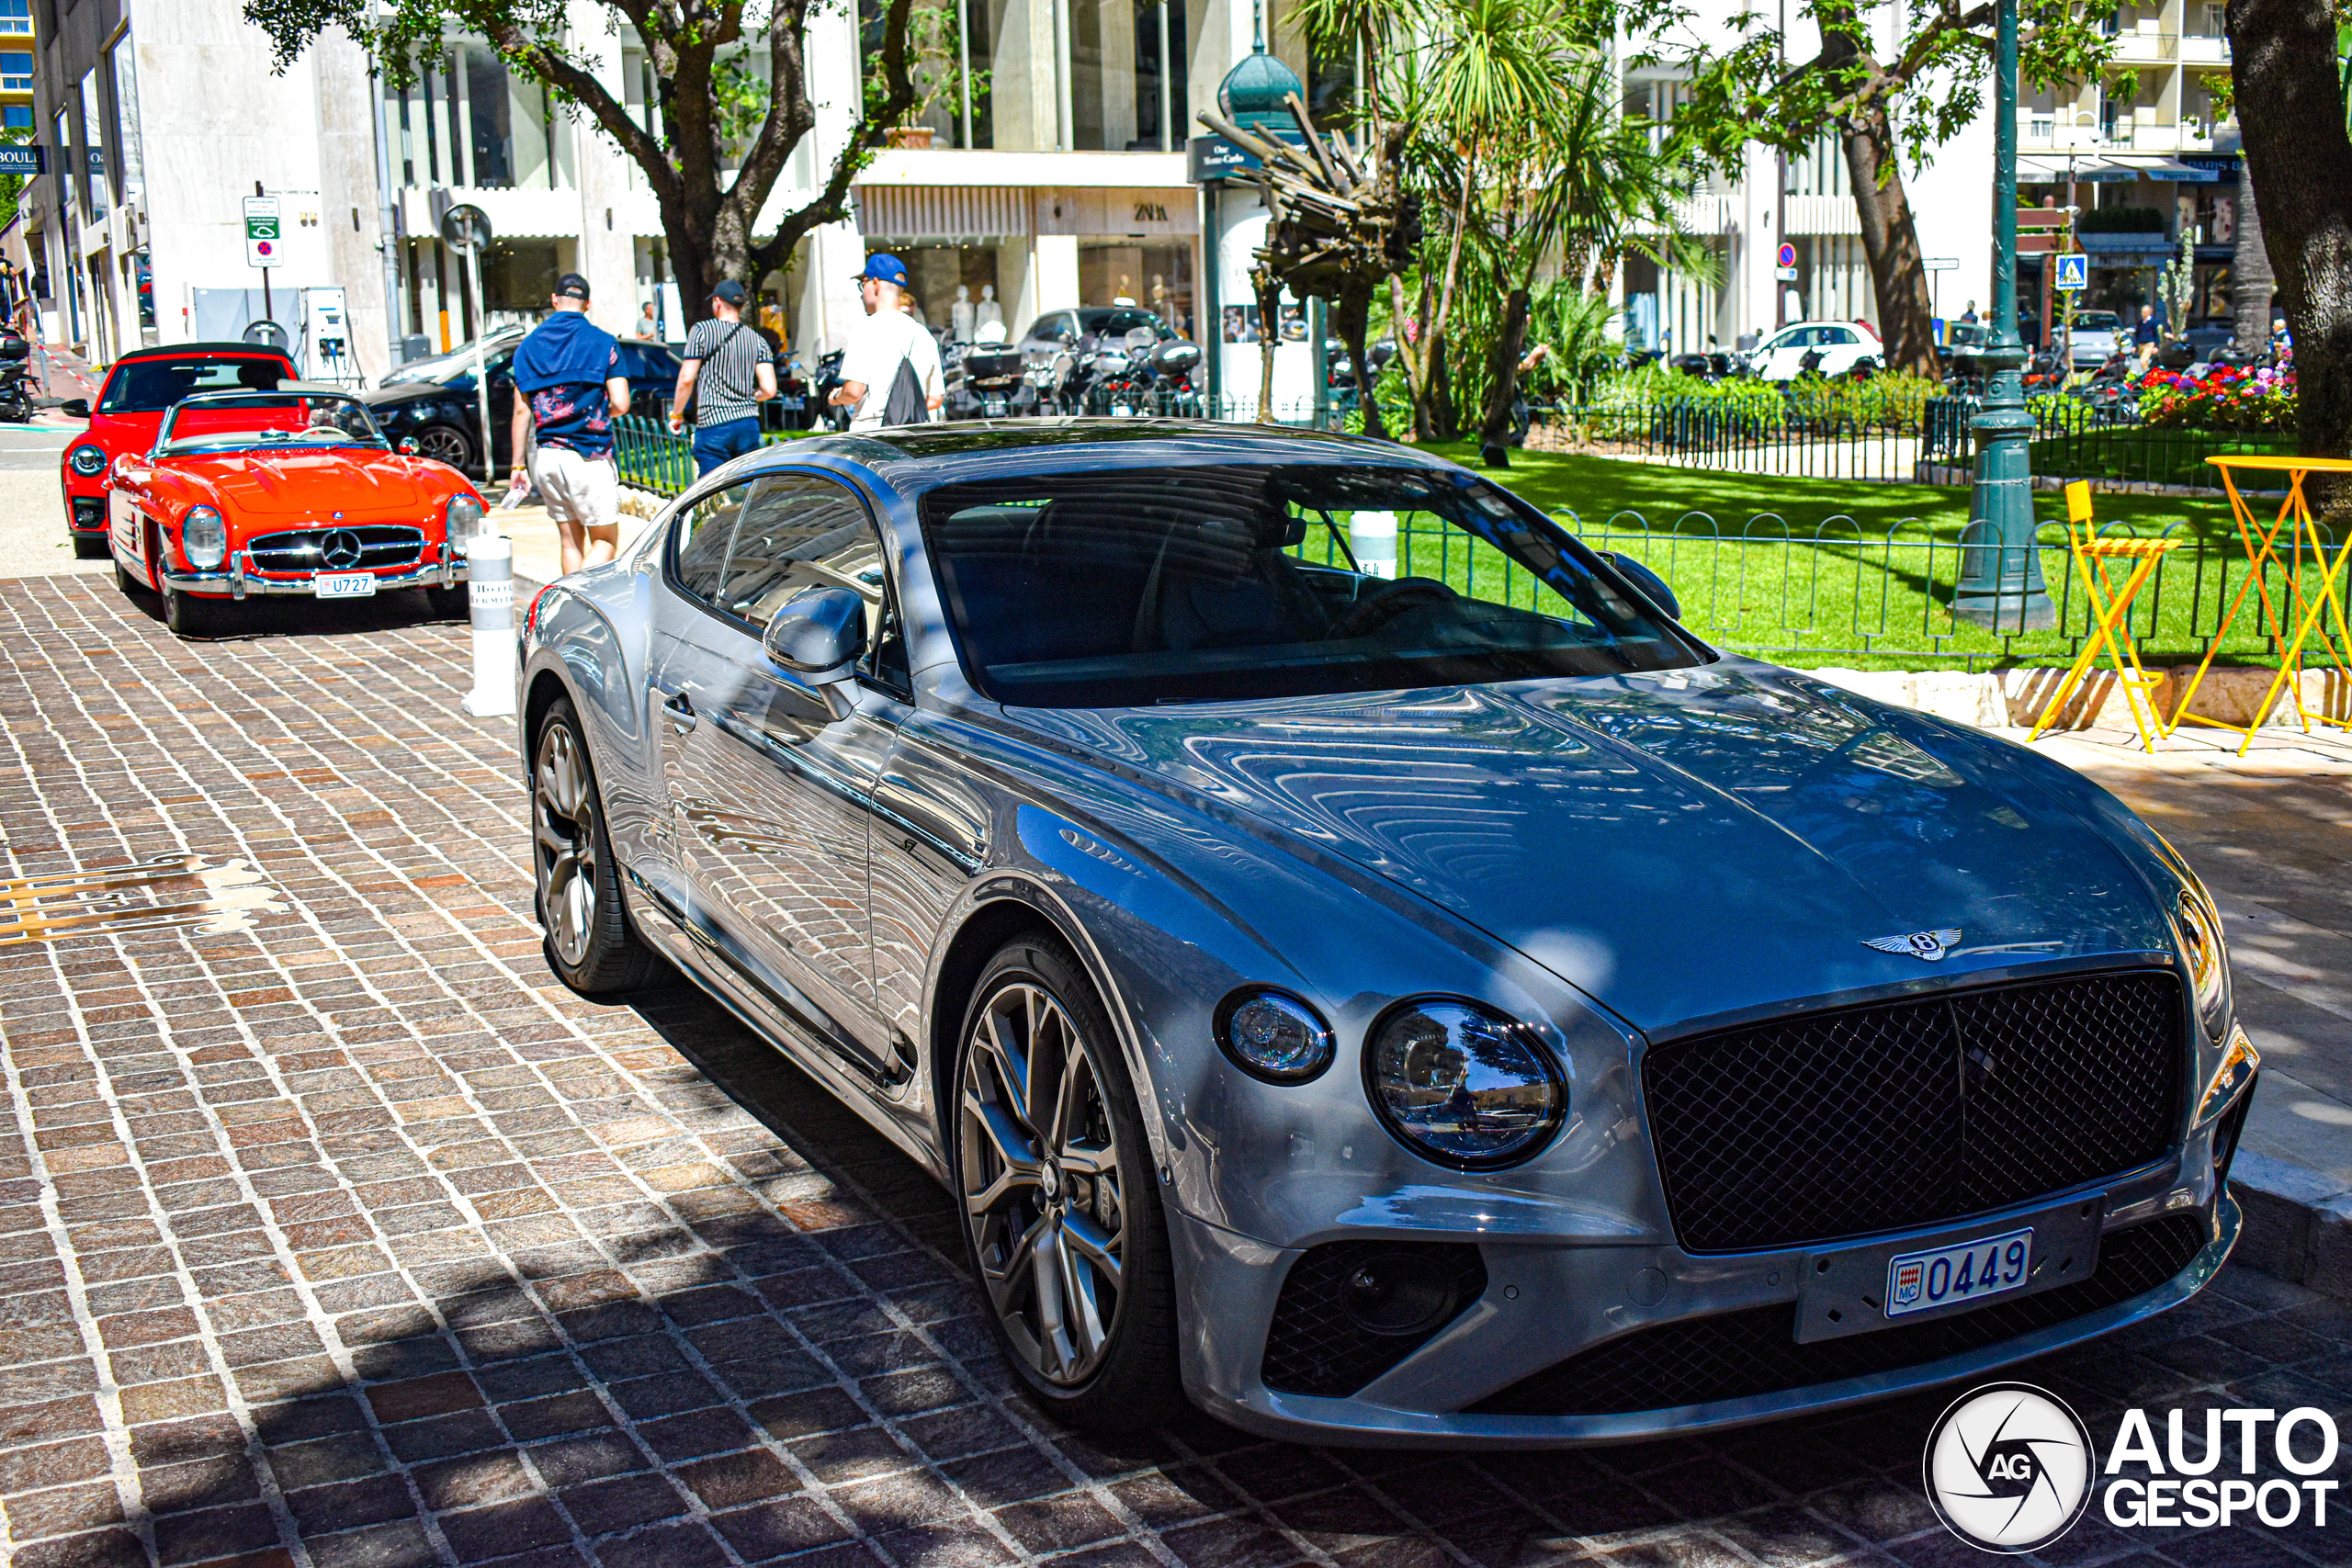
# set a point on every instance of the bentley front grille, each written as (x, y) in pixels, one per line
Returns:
(1834, 1124)
(1738, 1355)
(369, 549)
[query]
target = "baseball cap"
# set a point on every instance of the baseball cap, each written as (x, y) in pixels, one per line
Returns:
(884, 268)
(730, 291)
(572, 286)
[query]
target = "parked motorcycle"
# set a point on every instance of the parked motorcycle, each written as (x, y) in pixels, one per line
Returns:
(987, 381)
(16, 379)
(795, 398)
(829, 381)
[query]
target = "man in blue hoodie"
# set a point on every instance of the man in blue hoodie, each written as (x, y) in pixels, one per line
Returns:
(568, 387)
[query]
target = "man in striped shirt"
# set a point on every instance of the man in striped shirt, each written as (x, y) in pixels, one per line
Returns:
(730, 370)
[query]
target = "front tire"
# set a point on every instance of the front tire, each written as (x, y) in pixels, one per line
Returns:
(590, 944)
(186, 614)
(1062, 1221)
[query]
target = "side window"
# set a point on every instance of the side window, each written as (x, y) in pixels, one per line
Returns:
(703, 531)
(1842, 336)
(801, 532)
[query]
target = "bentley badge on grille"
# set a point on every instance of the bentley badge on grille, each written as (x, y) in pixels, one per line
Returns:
(1928, 946)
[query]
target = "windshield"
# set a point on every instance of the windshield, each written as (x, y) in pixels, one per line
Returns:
(1120, 321)
(256, 420)
(2095, 321)
(1129, 587)
(150, 386)
(456, 367)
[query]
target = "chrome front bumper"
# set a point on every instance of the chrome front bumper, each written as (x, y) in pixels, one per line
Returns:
(237, 582)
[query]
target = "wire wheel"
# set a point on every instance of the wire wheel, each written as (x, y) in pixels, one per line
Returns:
(1045, 1189)
(563, 826)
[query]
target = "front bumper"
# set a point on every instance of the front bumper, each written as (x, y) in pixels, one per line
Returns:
(1545, 1305)
(237, 582)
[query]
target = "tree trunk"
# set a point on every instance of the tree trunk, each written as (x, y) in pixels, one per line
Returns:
(1270, 339)
(1898, 274)
(2299, 157)
(1494, 435)
(2250, 282)
(1351, 316)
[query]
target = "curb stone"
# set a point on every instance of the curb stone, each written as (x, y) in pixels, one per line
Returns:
(2298, 1223)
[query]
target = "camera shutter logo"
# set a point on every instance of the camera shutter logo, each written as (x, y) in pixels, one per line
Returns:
(2008, 1468)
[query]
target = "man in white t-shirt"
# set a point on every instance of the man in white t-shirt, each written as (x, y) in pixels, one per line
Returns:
(886, 339)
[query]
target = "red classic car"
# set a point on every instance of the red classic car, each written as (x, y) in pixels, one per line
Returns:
(288, 491)
(130, 404)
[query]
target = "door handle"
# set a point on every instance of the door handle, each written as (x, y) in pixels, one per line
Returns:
(680, 711)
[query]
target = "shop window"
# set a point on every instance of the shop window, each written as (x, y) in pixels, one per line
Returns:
(517, 276)
(1154, 277)
(935, 273)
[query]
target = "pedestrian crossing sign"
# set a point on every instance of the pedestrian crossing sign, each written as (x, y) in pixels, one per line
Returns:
(2073, 272)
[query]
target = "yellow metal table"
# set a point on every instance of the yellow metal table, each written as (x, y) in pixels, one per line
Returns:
(2306, 556)
(2110, 606)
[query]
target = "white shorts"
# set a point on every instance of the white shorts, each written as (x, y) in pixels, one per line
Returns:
(586, 490)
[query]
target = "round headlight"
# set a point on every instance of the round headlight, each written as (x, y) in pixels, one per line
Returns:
(1273, 1037)
(2209, 960)
(88, 461)
(1462, 1086)
(204, 538)
(463, 516)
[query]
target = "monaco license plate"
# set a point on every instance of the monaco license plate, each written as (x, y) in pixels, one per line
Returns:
(344, 585)
(1918, 1282)
(993, 408)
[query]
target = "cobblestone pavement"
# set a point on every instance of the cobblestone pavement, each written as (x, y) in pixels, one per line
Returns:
(353, 1239)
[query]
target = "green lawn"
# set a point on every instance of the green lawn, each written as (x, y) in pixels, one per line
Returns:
(1874, 590)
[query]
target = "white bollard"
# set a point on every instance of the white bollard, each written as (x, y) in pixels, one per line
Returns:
(1372, 536)
(490, 596)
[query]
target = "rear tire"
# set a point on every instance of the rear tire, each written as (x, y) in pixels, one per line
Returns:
(1061, 1202)
(590, 944)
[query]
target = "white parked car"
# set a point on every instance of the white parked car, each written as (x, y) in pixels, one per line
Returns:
(1781, 357)
(2098, 334)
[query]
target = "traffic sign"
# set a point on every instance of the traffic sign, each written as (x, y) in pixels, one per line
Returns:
(465, 228)
(1941, 263)
(1788, 256)
(2073, 272)
(262, 236)
(1785, 274)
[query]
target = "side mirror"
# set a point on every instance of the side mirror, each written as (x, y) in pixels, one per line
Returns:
(820, 635)
(408, 446)
(1652, 585)
(74, 408)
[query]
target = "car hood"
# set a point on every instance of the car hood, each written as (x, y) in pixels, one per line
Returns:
(313, 483)
(1681, 847)
(411, 393)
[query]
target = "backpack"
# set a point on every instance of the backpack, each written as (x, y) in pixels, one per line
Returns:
(906, 403)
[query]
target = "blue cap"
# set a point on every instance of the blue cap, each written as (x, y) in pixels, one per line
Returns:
(884, 268)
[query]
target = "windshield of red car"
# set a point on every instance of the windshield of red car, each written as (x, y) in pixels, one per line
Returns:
(267, 420)
(1128, 587)
(150, 386)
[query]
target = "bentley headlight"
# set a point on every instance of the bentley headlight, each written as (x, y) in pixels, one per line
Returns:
(463, 516)
(1273, 1037)
(88, 461)
(2209, 960)
(1462, 1084)
(203, 539)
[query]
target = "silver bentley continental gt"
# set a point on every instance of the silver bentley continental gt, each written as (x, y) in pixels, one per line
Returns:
(1356, 962)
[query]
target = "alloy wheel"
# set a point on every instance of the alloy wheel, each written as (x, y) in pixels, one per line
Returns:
(445, 445)
(1043, 1185)
(564, 830)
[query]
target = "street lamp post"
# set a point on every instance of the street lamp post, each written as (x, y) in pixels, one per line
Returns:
(2000, 567)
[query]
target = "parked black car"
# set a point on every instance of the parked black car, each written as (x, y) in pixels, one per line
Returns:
(431, 401)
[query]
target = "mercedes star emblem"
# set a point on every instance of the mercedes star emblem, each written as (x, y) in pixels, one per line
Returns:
(341, 548)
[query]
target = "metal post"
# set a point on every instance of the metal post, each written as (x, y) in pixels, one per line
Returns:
(2000, 568)
(482, 377)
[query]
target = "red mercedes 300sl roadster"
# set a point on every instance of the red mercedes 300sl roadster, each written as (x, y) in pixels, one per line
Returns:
(288, 491)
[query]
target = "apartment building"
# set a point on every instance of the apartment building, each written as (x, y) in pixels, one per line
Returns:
(17, 69)
(1046, 168)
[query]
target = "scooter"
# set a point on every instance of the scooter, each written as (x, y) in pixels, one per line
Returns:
(16, 379)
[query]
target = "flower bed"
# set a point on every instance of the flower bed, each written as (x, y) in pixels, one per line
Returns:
(2224, 398)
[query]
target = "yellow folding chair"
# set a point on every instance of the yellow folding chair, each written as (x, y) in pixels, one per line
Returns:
(2110, 608)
